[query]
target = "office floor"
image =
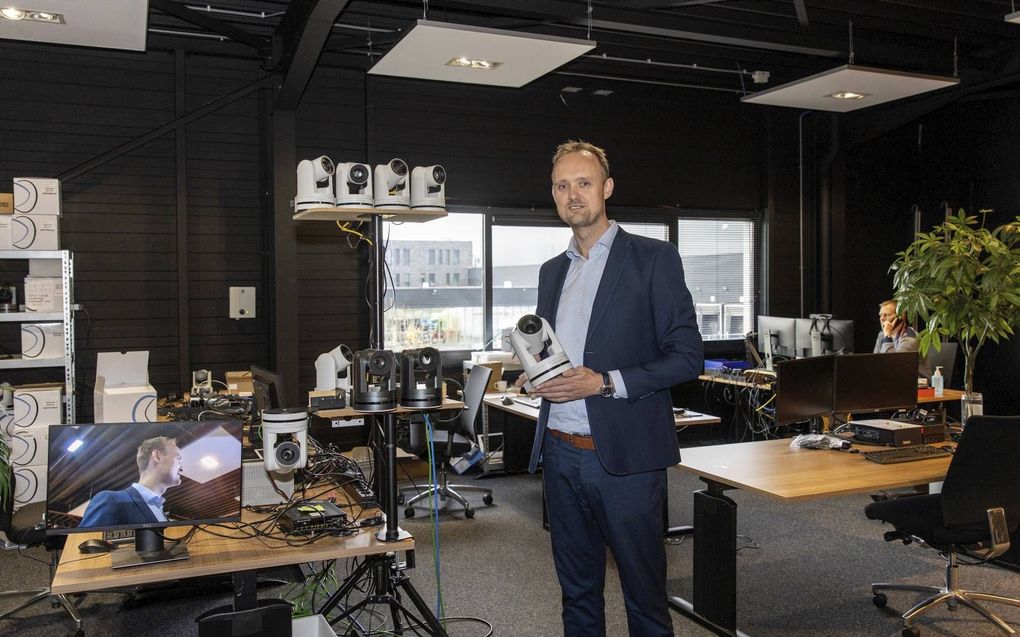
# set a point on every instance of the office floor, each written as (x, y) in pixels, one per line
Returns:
(809, 575)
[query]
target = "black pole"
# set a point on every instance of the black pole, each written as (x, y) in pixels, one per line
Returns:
(378, 272)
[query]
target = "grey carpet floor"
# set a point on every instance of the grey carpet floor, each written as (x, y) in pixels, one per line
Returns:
(804, 569)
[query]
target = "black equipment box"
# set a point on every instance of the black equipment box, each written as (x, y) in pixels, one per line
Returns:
(888, 432)
(313, 516)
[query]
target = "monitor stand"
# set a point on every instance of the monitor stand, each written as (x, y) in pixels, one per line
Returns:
(149, 549)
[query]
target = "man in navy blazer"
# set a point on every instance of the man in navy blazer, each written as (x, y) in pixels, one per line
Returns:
(159, 468)
(620, 308)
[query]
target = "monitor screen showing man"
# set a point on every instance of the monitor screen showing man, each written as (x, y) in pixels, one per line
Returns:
(159, 469)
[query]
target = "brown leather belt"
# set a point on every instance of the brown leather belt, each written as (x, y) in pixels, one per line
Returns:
(574, 440)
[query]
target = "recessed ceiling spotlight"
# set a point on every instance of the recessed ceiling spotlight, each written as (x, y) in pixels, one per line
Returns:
(847, 95)
(32, 16)
(571, 89)
(13, 14)
(468, 63)
(602, 92)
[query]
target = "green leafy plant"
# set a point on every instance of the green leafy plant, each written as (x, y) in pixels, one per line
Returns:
(961, 281)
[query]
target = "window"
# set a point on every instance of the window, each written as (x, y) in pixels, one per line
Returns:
(456, 257)
(445, 317)
(718, 256)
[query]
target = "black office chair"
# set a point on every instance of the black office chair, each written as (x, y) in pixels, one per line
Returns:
(977, 511)
(26, 527)
(449, 444)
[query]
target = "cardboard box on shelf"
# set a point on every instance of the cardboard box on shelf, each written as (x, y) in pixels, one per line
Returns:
(6, 203)
(35, 232)
(44, 294)
(239, 383)
(44, 267)
(123, 392)
(37, 406)
(6, 232)
(42, 340)
(36, 196)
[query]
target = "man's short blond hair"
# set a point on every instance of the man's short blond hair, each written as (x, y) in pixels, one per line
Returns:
(579, 145)
(891, 302)
(160, 443)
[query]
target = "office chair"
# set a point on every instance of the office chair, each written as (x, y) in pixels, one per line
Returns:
(449, 444)
(977, 511)
(26, 528)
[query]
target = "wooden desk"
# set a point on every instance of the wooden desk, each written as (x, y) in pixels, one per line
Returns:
(210, 555)
(770, 468)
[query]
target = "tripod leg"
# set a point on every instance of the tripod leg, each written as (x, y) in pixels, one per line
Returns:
(344, 589)
(436, 629)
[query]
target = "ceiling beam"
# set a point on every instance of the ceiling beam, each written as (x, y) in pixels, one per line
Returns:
(215, 25)
(299, 41)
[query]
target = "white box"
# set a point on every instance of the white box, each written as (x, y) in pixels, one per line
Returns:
(37, 406)
(30, 485)
(35, 232)
(44, 294)
(6, 225)
(29, 446)
(311, 626)
(42, 340)
(123, 392)
(36, 196)
(45, 267)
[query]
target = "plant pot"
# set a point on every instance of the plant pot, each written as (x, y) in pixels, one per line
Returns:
(971, 404)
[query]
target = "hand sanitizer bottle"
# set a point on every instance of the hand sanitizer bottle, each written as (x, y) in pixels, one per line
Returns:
(936, 381)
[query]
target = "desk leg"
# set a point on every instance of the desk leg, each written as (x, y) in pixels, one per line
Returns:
(245, 596)
(715, 564)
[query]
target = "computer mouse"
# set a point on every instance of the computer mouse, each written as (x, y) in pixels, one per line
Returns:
(506, 400)
(96, 545)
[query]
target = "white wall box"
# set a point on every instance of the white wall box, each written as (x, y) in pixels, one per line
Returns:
(37, 405)
(42, 340)
(123, 392)
(35, 232)
(29, 446)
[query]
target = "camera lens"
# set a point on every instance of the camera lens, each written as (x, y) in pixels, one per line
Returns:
(398, 167)
(439, 175)
(380, 362)
(358, 174)
(529, 324)
(428, 358)
(327, 164)
(287, 454)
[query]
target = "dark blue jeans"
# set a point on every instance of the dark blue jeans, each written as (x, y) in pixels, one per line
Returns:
(590, 509)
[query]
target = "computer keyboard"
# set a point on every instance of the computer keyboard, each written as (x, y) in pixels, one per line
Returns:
(906, 454)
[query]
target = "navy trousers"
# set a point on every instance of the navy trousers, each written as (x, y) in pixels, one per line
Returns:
(590, 509)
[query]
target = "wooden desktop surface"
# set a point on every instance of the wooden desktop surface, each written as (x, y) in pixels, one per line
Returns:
(773, 469)
(495, 401)
(210, 555)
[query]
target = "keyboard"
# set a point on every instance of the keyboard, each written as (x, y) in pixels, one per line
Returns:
(906, 454)
(530, 402)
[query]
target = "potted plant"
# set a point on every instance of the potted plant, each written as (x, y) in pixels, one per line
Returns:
(961, 281)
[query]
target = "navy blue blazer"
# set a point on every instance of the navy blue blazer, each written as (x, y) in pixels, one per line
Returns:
(116, 508)
(643, 324)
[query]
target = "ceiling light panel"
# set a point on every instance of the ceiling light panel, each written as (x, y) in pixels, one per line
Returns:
(108, 24)
(475, 55)
(848, 88)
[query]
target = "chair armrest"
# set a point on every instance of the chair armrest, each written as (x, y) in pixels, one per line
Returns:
(998, 536)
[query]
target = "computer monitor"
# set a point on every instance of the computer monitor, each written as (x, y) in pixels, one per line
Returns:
(836, 336)
(93, 470)
(782, 332)
(875, 382)
(267, 389)
(804, 389)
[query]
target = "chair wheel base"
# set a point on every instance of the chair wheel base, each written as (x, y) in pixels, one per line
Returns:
(910, 631)
(409, 512)
(880, 600)
(487, 499)
(469, 513)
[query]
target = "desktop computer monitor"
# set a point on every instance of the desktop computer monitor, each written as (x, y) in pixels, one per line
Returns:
(875, 382)
(836, 336)
(267, 389)
(110, 476)
(804, 389)
(781, 331)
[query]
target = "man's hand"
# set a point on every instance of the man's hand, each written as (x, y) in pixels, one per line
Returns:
(572, 384)
(893, 328)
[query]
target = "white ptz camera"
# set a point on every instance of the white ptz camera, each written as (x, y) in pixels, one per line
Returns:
(353, 185)
(284, 439)
(201, 384)
(315, 184)
(539, 351)
(428, 188)
(391, 188)
(333, 370)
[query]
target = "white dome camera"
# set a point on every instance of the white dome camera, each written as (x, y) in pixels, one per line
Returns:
(284, 439)
(428, 188)
(353, 185)
(391, 188)
(539, 351)
(315, 184)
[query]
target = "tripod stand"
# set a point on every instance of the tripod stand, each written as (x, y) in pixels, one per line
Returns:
(387, 580)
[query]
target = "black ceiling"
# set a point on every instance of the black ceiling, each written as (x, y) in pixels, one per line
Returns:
(640, 42)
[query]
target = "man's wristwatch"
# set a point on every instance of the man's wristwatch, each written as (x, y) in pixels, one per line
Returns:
(608, 390)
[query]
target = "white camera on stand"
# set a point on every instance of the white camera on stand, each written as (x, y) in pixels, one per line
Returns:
(428, 188)
(539, 351)
(391, 188)
(285, 439)
(353, 185)
(315, 184)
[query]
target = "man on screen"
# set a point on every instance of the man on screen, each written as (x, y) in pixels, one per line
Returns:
(159, 468)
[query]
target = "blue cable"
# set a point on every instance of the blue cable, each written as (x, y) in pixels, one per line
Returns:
(435, 516)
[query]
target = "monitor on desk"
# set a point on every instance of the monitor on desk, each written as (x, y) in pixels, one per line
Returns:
(778, 333)
(835, 336)
(875, 382)
(804, 389)
(267, 389)
(143, 476)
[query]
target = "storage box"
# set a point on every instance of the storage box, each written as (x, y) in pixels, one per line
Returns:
(44, 294)
(36, 196)
(35, 232)
(45, 267)
(123, 392)
(311, 626)
(6, 230)
(29, 446)
(42, 340)
(30, 485)
(6, 203)
(37, 406)
(239, 383)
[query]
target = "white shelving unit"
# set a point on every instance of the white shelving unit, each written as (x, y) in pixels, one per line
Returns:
(66, 317)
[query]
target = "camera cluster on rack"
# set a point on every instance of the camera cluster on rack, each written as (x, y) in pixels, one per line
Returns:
(391, 186)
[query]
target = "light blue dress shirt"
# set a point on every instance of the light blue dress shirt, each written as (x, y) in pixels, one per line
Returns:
(154, 501)
(572, 317)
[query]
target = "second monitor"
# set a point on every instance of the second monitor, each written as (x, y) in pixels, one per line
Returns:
(834, 336)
